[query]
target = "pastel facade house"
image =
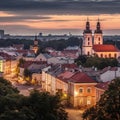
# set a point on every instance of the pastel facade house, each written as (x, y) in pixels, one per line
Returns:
(100, 89)
(82, 90)
(8, 63)
(62, 81)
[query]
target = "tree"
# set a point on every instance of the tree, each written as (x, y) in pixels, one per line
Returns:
(37, 106)
(95, 61)
(108, 107)
(6, 88)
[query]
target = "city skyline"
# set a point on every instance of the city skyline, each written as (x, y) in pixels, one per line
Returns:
(27, 17)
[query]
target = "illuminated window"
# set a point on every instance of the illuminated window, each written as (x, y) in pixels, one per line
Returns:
(88, 100)
(81, 101)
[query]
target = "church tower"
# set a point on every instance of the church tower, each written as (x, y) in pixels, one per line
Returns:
(87, 42)
(35, 47)
(98, 37)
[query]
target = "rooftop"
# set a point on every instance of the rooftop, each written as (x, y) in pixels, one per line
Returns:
(81, 77)
(105, 48)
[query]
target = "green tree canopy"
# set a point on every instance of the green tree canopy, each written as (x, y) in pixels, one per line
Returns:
(95, 61)
(108, 107)
(36, 106)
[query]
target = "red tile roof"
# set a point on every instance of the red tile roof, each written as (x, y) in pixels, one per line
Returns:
(103, 86)
(28, 63)
(81, 77)
(6, 56)
(72, 66)
(65, 76)
(105, 48)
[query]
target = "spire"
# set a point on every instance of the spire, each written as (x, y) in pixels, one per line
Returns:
(87, 24)
(98, 27)
(87, 30)
(35, 37)
(98, 24)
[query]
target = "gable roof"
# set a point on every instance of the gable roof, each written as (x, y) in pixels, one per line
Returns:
(103, 86)
(65, 76)
(105, 48)
(81, 77)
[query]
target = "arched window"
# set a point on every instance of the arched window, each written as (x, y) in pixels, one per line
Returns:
(88, 90)
(88, 43)
(115, 55)
(101, 55)
(105, 56)
(88, 39)
(81, 90)
(99, 38)
(88, 53)
(109, 55)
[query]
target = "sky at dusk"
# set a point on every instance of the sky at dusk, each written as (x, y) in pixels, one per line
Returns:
(30, 17)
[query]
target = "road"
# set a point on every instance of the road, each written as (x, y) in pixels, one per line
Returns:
(74, 114)
(24, 89)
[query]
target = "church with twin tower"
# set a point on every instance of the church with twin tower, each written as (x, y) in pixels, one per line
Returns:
(93, 44)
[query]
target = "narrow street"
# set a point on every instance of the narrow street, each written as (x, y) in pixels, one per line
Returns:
(74, 114)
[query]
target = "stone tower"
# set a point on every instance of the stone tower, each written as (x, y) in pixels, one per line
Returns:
(87, 41)
(98, 37)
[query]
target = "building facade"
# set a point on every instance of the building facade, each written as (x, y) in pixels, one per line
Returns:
(93, 44)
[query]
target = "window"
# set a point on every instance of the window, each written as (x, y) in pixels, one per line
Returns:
(88, 43)
(88, 53)
(101, 55)
(115, 55)
(88, 100)
(88, 90)
(109, 55)
(99, 38)
(81, 90)
(88, 39)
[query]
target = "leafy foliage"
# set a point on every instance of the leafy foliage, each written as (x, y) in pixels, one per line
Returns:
(37, 106)
(6, 88)
(56, 44)
(108, 107)
(95, 61)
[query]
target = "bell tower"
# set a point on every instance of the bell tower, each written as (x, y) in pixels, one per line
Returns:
(35, 47)
(98, 37)
(87, 41)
